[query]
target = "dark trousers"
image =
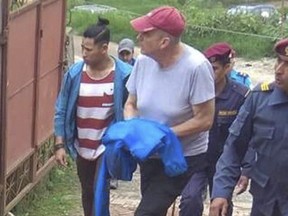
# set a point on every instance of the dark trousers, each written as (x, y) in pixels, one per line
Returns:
(191, 203)
(158, 190)
(87, 171)
(257, 209)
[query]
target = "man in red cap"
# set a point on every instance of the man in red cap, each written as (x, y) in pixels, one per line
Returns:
(171, 83)
(262, 125)
(230, 95)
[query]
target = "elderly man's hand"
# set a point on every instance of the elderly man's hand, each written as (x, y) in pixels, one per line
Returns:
(218, 207)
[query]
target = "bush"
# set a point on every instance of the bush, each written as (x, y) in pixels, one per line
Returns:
(251, 36)
(119, 23)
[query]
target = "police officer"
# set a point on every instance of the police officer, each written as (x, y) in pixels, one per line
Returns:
(262, 124)
(230, 95)
(240, 77)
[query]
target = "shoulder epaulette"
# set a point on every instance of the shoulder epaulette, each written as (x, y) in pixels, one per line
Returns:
(264, 87)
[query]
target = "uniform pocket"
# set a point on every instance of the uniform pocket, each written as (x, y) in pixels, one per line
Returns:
(237, 125)
(264, 132)
(263, 137)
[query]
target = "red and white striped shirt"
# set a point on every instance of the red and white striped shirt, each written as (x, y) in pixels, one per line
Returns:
(94, 113)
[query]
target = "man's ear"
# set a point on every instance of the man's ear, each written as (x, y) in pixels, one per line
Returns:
(104, 47)
(228, 67)
(165, 42)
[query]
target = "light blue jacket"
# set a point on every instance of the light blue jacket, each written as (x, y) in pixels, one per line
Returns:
(65, 108)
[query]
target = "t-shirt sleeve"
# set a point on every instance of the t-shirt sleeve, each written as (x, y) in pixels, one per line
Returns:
(202, 86)
(131, 83)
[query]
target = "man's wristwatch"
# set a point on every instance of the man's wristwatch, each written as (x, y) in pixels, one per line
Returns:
(58, 146)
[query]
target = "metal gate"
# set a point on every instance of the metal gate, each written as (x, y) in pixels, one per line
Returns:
(31, 58)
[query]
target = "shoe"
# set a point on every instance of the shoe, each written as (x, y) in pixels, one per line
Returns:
(113, 184)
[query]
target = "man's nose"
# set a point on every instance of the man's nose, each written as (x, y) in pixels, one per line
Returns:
(279, 67)
(84, 53)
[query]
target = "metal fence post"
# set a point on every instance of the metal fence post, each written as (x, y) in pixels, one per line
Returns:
(4, 12)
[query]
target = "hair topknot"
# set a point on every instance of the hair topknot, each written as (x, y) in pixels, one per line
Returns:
(102, 22)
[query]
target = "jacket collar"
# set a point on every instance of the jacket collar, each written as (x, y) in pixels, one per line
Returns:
(278, 96)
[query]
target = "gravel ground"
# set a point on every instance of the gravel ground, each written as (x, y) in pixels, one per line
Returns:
(259, 71)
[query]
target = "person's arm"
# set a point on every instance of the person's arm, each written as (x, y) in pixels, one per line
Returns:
(225, 178)
(228, 168)
(59, 151)
(201, 121)
(130, 108)
(59, 122)
(202, 102)
(246, 165)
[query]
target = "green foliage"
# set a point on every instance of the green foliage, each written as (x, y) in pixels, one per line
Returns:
(207, 23)
(119, 23)
(252, 48)
(119, 20)
(251, 36)
(54, 195)
(120, 26)
(226, 3)
(139, 7)
(235, 2)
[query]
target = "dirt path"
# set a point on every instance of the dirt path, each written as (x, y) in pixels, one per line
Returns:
(259, 71)
(125, 199)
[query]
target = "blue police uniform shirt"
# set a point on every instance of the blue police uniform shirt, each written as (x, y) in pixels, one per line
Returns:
(239, 77)
(227, 105)
(262, 124)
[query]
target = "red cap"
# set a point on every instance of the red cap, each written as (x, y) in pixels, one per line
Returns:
(219, 50)
(165, 18)
(281, 49)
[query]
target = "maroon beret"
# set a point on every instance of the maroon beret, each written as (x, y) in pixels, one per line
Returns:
(219, 50)
(281, 49)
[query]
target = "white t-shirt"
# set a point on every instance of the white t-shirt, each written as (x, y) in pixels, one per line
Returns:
(167, 95)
